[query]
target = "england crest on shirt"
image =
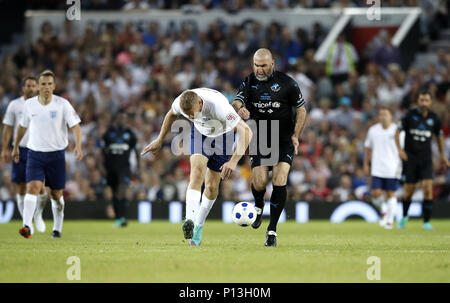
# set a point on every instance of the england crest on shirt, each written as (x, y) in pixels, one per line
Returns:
(53, 114)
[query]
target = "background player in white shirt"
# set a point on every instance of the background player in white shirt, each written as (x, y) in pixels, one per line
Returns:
(213, 119)
(385, 165)
(11, 121)
(47, 117)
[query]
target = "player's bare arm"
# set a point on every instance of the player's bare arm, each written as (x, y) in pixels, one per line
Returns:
(77, 151)
(156, 145)
(240, 109)
(367, 157)
(20, 133)
(401, 152)
(299, 126)
(245, 136)
(440, 140)
(6, 138)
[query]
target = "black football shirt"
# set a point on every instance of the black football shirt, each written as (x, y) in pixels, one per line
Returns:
(273, 99)
(419, 132)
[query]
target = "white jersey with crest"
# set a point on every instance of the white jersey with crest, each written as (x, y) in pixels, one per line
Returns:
(217, 116)
(13, 116)
(385, 162)
(47, 124)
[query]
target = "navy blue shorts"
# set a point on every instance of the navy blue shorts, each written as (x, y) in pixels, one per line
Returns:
(19, 170)
(48, 166)
(384, 183)
(218, 149)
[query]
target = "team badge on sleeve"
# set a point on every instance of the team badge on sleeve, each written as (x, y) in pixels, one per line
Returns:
(231, 117)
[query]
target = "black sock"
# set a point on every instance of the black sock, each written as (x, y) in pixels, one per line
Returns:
(427, 207)
(259, 197)
(117, 208)
(124, 208)
(406, 204)
(277, 202)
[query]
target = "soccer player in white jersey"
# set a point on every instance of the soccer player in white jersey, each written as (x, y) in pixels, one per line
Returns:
(385, 165)
(212, 138)
(47, 118)
(11, 121)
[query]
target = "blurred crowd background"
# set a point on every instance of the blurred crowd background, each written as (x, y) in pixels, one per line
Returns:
(142, 70)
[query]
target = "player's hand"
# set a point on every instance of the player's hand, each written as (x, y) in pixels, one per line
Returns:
(227, 170)
(403, 155)
(445, 160)
(153, 147)
(296, 144)
(15, 155)
(5, 155)
(244, 113)
(77, 151)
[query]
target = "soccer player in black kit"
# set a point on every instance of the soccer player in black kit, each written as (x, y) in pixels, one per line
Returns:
(118, 141)
(273, 96)
(419, 125)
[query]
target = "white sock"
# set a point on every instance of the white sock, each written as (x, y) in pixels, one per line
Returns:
(204, 210)
(58, 214)
(20, 199)
(192, 201)
(392, 207)
(384, 209)
(29, 206)
(42, 201)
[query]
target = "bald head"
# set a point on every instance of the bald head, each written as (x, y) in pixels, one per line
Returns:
(263, 53)
(263, 64)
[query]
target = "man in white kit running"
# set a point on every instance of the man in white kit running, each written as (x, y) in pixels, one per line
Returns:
(11, 122)
(212, 138)
(385, 165)
(47, 117)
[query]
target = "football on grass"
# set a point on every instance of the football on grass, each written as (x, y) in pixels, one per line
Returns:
(244, 214)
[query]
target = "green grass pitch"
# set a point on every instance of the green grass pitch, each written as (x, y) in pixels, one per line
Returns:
(318, 251)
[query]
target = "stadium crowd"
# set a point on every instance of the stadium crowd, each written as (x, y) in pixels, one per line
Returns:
(102, 70)
(230, 5)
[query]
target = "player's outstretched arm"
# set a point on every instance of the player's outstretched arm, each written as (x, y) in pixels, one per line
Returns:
(240, 109)
(299, 126)
(6, 138)
(78, 151)
(19, 135)
(155, 145)
(245, 136)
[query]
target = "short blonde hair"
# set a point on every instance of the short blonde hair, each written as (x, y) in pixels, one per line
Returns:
(187, 100)
(46, 73)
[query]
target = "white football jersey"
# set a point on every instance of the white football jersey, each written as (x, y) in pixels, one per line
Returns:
(13, 116)
(47, 124)
(217, 116)
(385, 162)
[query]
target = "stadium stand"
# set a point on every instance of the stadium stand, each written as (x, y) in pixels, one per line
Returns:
(104, 69)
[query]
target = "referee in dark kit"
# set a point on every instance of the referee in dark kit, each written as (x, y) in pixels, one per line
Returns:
(118, 142)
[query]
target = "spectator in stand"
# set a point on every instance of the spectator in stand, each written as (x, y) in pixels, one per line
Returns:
(136, 5)
(341, 60)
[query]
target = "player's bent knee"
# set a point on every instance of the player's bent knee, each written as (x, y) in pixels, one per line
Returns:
(33, 187)
(260, 184)
(211, 188)
(56, 194)
(376, 193)
(280, 181)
